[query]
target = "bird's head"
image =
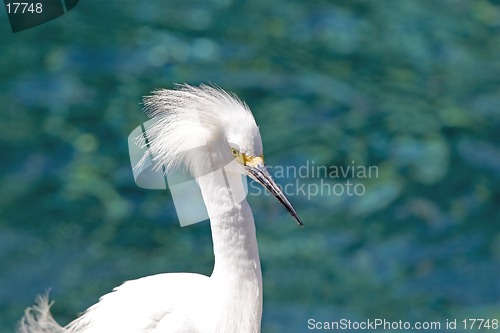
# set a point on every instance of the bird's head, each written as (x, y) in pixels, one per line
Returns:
(205, 129)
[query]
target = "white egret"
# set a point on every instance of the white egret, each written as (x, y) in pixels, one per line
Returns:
(230, 300)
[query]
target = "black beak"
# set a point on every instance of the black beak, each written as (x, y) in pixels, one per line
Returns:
(262, 175)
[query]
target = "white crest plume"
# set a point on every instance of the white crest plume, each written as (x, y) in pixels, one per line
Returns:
(189, 119)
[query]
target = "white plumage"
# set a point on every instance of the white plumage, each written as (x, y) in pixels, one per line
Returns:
(213, 135)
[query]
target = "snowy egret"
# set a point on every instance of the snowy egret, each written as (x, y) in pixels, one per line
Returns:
(230, 300)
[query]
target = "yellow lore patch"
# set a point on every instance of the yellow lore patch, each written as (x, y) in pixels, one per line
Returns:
(243, 159)
(253, 161)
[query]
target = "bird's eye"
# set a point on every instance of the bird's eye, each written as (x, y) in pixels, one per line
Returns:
(234, 152)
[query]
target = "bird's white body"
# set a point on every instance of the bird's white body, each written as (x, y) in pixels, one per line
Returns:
(230, 300)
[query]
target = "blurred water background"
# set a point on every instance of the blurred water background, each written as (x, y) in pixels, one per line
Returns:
(411, 87)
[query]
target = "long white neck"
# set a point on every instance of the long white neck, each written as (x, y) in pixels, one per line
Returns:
(237, 276)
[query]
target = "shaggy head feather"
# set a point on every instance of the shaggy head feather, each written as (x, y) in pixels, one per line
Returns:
(189, 120)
